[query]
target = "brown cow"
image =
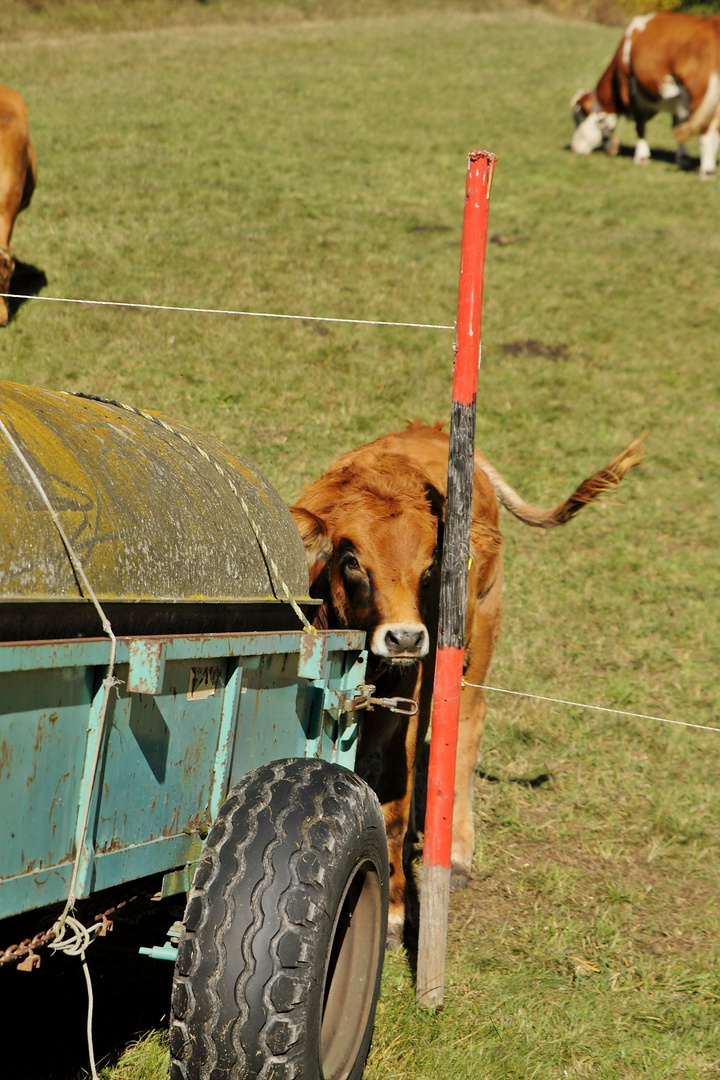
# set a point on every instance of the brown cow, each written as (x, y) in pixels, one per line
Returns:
(666, 62)
(18, 173)
(372, 528)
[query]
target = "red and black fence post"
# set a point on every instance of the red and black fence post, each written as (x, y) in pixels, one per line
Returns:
(435, 893)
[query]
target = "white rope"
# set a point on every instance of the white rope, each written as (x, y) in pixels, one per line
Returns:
(82, 937)
(227, 311)
(108, 682)
(596, 708)
(159, 422)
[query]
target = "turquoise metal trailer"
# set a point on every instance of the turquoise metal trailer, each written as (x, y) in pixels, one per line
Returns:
(166, 710)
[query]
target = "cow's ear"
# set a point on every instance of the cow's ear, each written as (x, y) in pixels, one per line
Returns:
(436, 501)
(313, 533)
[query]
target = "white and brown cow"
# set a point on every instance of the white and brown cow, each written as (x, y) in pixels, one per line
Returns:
(372, 529)
(18, 173)
(667, 62)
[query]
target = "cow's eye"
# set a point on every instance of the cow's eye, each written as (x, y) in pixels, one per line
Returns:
(427, 577)
(350, 563)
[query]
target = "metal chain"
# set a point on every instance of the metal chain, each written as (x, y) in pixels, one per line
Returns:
(25, 950)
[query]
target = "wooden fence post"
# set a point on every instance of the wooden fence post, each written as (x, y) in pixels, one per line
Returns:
(435, 889)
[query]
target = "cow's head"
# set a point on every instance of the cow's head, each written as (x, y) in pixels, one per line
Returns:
(593, 127)
(372, 529)
(371, 536)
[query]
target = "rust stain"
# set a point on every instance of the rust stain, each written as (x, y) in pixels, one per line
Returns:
(194, 760)
(5, 755)
(56, 798)
(115, 844)
(52, 717)
(196, 823)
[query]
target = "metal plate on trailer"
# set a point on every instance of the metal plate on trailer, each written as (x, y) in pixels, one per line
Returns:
(189, 717)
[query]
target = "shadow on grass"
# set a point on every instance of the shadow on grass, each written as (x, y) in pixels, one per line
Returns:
(413, 848)
(690, 164)
(45, 1011)
(27, 280)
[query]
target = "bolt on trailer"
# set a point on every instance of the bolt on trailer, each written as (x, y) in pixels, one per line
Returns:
(165, 716)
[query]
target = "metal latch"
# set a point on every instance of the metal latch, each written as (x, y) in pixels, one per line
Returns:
(365, 700)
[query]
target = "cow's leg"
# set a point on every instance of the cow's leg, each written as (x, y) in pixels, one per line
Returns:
(18, 174)
(682, 158)
(472, 721)
(394, 788)
(7, 266)
(481, 635)
(7, 263)
(642, 152)
(709, 142)
(394, 739)
(10, 200)
(642, 148)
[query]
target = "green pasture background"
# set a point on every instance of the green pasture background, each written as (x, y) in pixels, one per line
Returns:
(278, 159)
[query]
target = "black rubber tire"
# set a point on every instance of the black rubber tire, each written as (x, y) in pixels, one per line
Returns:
(279, 962)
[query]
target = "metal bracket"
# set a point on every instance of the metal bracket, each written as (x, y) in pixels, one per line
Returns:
(169, 950)
(365, 700)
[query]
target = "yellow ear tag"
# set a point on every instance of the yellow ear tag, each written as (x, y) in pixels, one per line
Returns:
(470, 563)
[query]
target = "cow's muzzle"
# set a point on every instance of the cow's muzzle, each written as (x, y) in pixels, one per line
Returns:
(400, 642)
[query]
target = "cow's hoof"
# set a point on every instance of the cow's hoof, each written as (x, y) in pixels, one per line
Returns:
(612, 146)
(707, 175)
(394, 939)
(459, 877)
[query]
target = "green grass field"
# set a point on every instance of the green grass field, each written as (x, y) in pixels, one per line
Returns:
(251, 158)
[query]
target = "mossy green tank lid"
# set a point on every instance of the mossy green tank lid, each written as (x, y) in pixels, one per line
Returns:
(147, 504)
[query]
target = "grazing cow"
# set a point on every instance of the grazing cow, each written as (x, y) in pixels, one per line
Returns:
(18, 173)
(667, 62)
(372, 529)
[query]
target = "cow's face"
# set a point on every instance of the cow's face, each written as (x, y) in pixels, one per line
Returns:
(375, 563)
(593, 128)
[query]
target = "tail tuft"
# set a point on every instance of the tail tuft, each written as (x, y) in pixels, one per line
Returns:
(604, 480)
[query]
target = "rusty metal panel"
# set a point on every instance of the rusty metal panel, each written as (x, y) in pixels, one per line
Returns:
(42, 746)
(220, 705)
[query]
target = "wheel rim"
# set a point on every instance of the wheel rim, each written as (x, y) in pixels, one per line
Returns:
(351, 975)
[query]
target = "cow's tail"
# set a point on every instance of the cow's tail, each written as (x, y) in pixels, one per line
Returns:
(704, 113)
(604, 480)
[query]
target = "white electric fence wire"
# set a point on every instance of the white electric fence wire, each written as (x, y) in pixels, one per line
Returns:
(226, 311)
(596, 708)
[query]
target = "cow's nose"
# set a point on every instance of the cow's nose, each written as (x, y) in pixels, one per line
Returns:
(403, 640)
